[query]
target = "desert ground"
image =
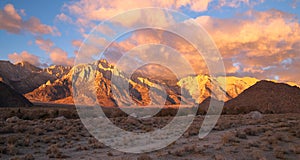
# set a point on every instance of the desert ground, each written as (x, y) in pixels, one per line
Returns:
(57, 133)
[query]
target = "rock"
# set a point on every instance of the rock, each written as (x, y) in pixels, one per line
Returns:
(13, 119)
(255, 115)
(133, 115)
(60, 118)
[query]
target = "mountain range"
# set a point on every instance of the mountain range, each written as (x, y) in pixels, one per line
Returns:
(54, 84)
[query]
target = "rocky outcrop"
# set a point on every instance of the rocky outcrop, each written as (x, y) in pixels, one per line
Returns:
(58, 70)
(11, 98)
(266, 97)
(28, 66)
(59, 89)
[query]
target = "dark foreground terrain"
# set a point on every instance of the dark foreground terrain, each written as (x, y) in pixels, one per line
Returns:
(57, 133)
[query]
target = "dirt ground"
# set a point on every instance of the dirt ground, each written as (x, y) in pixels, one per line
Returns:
(272, 136)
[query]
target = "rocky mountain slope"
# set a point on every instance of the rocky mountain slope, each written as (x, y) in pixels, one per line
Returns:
(60, 90)
(266, 97)
(58, 70)
(203, 86)
(11, 98)
(25, 77)
(194, 88)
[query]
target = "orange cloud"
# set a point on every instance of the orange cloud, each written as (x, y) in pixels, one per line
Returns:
(256, 43)
(45, 45)
(76, 43)
(25, 56)
(60, 57)
(252, 44)
(12, 22)
(87, 11)
(64, 18)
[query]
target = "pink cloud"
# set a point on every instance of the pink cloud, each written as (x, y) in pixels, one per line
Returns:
(12, 22)
(45, 45)
(25, 56)
(60, 57)
(258, 43)
(64, 18)
(88, 11)
(76, 43)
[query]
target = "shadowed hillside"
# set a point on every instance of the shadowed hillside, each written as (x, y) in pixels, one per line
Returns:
(11, 98)
(266, 97)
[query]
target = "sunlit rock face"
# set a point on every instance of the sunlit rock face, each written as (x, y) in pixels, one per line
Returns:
(58, 70)
(102, 83)
(221, 88)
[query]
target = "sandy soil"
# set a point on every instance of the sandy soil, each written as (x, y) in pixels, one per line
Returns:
(274, 136)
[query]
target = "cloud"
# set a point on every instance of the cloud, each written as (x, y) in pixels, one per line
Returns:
(25, 56)
(238, 3)
(60, 57)
(12, 22)
(76, 43)
(64, 18)
(255, 43)
(252, 44)
(45, 45)
(89, 11)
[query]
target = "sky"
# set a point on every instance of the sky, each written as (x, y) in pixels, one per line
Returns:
(256, 38)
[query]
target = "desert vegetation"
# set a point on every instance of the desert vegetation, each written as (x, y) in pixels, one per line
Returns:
(57, 133)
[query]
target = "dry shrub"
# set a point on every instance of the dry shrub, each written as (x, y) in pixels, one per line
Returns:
(28, 157)
(144, 157)
(11, 149)
(6, 129)
(54, 152)
(94, 143)
(295, 149)
(81, 148)
(185, 150)
(279, 153)
(193, 131)
(229, 138)
(251, 131)
(241, 135)
(39, 131)
(256, 154)
(109, 154)
(218, 157)
(12, 140)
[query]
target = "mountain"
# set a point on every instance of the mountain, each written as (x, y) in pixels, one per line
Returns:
(139, 88)
(28, 66)
(11, 98)
(204, 105)
(196, 89)
(23, 77)
(58, 70)
(266, 97)
(51, 91)
(203, 86)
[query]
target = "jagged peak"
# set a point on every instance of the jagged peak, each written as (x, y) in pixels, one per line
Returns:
(28, 65)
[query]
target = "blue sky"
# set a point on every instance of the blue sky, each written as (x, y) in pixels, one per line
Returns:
(64, 24)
